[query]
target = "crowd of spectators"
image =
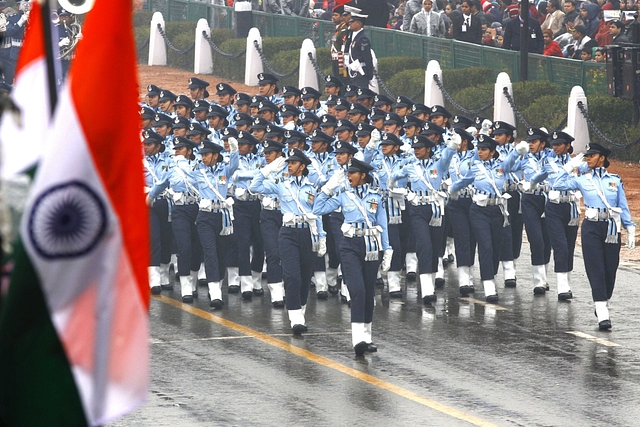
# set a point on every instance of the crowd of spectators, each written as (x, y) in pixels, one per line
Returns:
(563, 28)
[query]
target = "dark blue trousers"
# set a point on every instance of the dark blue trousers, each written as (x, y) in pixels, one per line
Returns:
(213, 244)
(183, 222)
(161, 234)
(562, 236)
(360, 277)
(246, 228)
(600, 259)
(337, 219)
(297, 258)
(487, 226)
(270, 224)
(532, 211)
(457, 213)
(515, 218)
(428, 239)
(407, 237)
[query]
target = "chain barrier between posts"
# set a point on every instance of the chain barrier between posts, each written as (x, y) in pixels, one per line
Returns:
(145, 44)
(457, 106)
(220, 51)
(512, 103)
(601, 135)
(170, 45)
(316, 66)
(266, 63)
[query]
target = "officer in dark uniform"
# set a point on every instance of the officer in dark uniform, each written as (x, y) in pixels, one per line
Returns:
(339, 38)
(360, 61)
(606, 212)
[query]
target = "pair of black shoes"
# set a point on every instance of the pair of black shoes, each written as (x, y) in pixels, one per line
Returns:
(216, 303)
(492, 298)
(395, 294)
(428, 299)
(363, 347)
(155, 290)
(333, 290)
(510, 283)
(466, 290)
(323, 295)
(299, 329)
(411, 277)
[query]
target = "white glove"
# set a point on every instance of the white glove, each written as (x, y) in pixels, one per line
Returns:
(322, 246)
(233, 144)
(631, 237)
(486, 127)
(23, 19)
(274, 166)
(375, 137)
(522, 147)
(386, 260)
(64, 42)
(574, 163)
(454, 142)
(334, 182)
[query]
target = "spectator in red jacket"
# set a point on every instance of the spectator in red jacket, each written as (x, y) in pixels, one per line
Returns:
(551, 47)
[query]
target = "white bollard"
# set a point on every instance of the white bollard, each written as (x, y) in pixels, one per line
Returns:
(157, 46)
(577, 125)
(432, 93)
(253, 66)
(202, 59)
(502, 111)
(373, 83)
(307, 76)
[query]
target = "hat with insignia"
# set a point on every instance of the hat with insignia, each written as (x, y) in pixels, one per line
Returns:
(331, 100)
(147, 113)
(390, 139)
(181, 141)
(357, 108)
(242, 99)
(294, 136)
(358, 17)
(462, 121)
(364, 129)
(439, 110)
(420, 109)
(595, 148)
(166, 95)
(381, 100)
(289, 110)
(217, 111)
(211, 147)
(345, 125)
(349, 9)
(298, 156)
(274, 131)
(184, 101)
(478, 121)
(153, 90)
(411, 120)
(393, 119)
(245, 137)
(150, 137)
(328, 121)
(502, 127)
(344, 147)
(307, 117)
(432, 129)
(485, 141)
(365, 93)
(163, 119)
(198, 129)
(267, 106)
(290, 91)
(342, 104)
(465, 135)
(259, 123)
(377, 114)
(310, 93)
(271, 145)
(403, 101)
(332, 80)
(422, 141)
(558, 137)
(229, 133)
(351, 90)
(242, 119)
(256, 100)
(267, 79)
(356, 165)
(318, 136)
(181, 122)
(537, 133)
(196, 83)
(225, 89)
(200, 105)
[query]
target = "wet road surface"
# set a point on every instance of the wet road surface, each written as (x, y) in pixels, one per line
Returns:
(527, 361)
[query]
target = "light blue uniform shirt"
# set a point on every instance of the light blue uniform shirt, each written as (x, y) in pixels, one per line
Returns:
(180, 181)
(218, 176)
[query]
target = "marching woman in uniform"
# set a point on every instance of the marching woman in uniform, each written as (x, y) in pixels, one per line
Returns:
(365, 235)
(216, 213)
(425, 175)
(562, 211)
(301, 232)
(488, 213)
(606, 212)
(184, 190)
(156, 166)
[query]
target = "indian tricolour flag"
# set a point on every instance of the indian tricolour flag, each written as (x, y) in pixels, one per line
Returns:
(74, 326)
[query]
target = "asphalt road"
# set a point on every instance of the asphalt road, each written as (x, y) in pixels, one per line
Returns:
(527, 361)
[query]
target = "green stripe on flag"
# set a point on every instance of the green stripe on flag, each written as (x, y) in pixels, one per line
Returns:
(37, 387)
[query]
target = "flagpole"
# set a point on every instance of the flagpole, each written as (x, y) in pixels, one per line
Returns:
(50, 60)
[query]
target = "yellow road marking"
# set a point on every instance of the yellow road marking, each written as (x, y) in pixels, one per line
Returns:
(594, 339)
(369, 379)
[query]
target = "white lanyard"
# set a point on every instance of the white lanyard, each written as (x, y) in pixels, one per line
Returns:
(151, 172)
(186, 181)
(295, 197)
(490, 178)
(600, 190)
(214, 189)
(360, 208)
(426, 182)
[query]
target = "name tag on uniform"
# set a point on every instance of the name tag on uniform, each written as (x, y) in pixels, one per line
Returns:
(464, 28)
(533, 36)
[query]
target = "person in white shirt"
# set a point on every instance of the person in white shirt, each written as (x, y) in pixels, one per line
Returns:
(427, 22)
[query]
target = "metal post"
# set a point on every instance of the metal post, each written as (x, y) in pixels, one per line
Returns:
(524, 41)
